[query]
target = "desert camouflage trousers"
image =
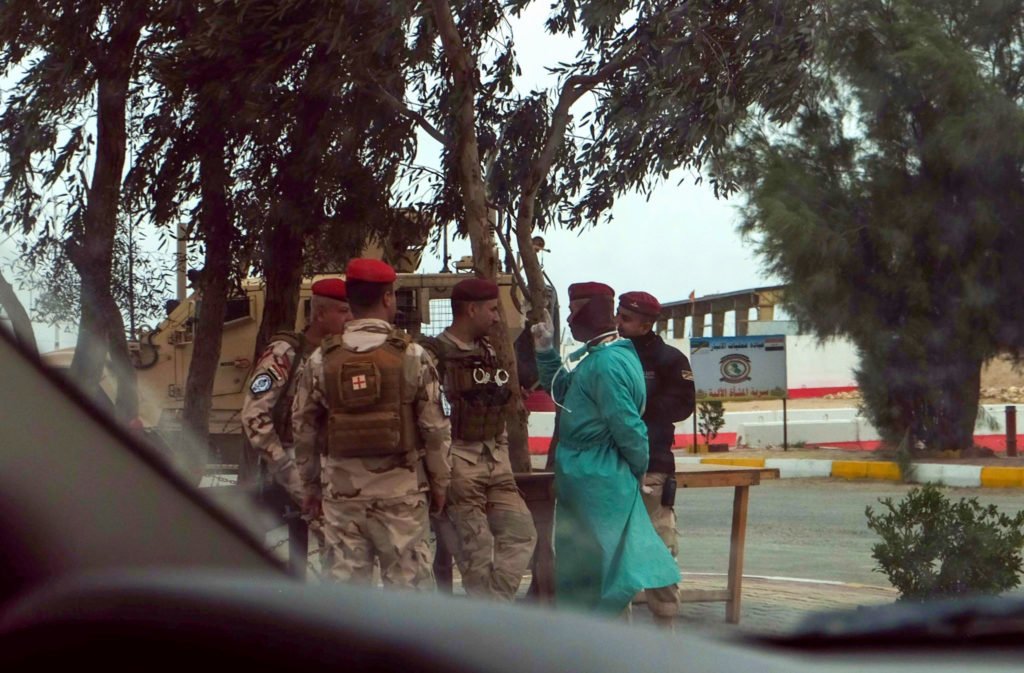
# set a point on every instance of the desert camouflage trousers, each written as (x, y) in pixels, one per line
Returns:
(663, 601)
(495, 530)
(391, 531)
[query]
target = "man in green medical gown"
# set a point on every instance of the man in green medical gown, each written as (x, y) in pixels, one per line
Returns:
(606, 549)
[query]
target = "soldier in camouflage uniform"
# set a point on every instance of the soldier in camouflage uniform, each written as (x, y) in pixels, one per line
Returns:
(494, 527)
(377, 396)
(265, 414)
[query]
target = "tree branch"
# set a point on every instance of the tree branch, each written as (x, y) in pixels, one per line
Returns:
(511, 254)
(403, 109)
(466, 152)
(572, 90)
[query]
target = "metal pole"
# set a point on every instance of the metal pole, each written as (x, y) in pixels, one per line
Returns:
(444, 255)
(1011, 431)
(695, 430)
(785, 426)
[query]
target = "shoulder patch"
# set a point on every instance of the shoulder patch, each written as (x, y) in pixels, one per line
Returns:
(261, 384)
(687, 375)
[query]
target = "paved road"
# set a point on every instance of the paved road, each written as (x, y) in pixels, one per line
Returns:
(806, 528)
(797, 528)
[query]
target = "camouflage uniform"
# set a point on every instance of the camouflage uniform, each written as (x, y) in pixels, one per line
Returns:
(268, 383)
(494, 527)
(662, 601)
(375, 507)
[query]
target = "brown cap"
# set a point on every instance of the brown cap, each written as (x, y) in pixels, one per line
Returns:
(588, 290)
(475, 289)
(641, 302)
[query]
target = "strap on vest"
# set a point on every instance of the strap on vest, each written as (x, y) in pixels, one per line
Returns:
(298, 342)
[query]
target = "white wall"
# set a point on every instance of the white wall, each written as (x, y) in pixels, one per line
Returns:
(810, 364)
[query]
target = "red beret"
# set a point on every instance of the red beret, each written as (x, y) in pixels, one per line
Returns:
(588, 290)
(370, 271)
(333, 288)
(475, 289)
(641, 302)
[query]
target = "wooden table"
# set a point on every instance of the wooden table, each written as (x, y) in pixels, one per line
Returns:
(538, 491)
(741, 479)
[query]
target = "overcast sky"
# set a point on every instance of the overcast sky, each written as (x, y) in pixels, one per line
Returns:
(682, 239)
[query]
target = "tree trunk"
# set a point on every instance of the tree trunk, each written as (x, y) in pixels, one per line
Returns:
(469, 172)
(953, 407)
(20, 321)
(282, 277)
(217, 229)
(101, 329)
(297, 203)
(531, 263)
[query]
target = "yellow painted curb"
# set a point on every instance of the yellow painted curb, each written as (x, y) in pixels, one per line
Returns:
(738, 462)
(884, 470)
(865, 469)
(1002, 477)
(850, 469)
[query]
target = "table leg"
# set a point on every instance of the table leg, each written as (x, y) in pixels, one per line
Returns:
(739, 533)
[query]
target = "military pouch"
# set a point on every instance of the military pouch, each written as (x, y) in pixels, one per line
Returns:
(474, 419)
(358, 385)
(462, 380)
(373, 433)
(668, 492)
(467, 420)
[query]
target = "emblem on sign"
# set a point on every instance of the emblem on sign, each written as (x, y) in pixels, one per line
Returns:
(359, 382)
(735, 368)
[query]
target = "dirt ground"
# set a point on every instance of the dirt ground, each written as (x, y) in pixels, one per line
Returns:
(1001, 372)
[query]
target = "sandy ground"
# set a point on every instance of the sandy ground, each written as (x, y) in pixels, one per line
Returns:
(999, 372)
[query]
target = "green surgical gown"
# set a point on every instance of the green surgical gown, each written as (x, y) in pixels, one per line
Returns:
(606, 549)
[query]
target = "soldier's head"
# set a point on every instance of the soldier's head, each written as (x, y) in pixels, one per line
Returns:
(371, 289)
(638, 311)
(591, 310)
(475, 306)
(328, 307)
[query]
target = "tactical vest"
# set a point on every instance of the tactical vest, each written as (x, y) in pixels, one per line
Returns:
(370, 404)
(476, 388)
(281, 414)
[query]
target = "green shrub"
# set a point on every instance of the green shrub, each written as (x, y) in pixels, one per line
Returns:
(711, 418)
(934, 548)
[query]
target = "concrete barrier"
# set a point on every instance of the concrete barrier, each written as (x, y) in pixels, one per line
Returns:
(800, 467)
(962, 476)
(760, 435)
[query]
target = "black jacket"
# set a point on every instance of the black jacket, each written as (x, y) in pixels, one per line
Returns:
(670, 397)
